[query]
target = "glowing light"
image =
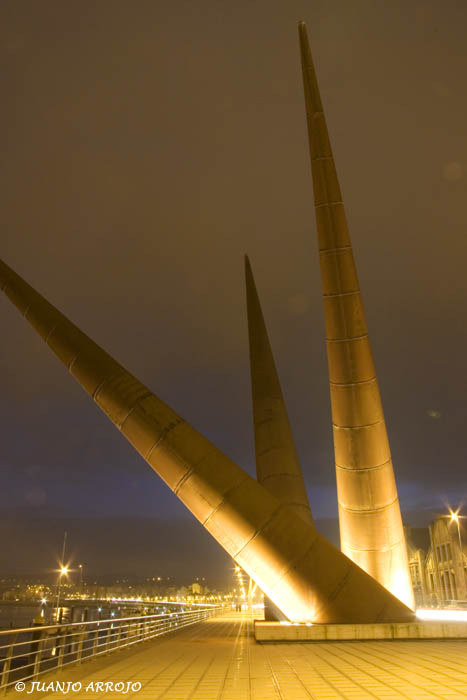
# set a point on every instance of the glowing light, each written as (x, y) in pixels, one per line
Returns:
(454, 516)
(44, 601)
(64, 570)
(443, 615)
(400, 588)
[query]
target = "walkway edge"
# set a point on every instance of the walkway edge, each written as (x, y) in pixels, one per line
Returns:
(290, 632)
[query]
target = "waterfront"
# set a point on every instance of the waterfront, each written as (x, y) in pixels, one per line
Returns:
(17, 614)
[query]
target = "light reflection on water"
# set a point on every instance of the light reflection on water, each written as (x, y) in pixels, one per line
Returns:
(14, 616)
(18, 615)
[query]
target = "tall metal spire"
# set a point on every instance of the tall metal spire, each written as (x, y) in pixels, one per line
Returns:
(298, 569)
(371, 528)
(277, 466)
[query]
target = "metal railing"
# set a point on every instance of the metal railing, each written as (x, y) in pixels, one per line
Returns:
(29, 652)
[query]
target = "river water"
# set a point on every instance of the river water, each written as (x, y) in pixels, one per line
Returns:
(18, 615)
(22, 615)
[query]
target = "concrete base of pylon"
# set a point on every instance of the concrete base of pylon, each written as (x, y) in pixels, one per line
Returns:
(297, 632)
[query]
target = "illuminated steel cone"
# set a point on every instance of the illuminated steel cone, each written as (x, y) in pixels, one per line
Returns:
(299, 570)
(369, 515)
(277, 466)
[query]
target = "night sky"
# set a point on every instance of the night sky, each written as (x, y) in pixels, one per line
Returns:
(146, 147)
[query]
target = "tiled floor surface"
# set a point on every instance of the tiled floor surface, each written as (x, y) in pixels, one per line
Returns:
(220, 660)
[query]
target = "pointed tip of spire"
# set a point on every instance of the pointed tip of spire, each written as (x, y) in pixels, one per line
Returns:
(312, 96)
(304, 42)
(248, 271)
(252, 300)
(302, 33)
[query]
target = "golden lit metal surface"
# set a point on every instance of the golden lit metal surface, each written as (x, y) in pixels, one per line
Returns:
(369, 515)
(277, 466)
(298, 569)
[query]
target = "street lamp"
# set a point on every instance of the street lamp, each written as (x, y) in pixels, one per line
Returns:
(63, 571)
(81, 580)
(455, 517)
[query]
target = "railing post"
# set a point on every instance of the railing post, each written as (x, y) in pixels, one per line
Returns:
(95, 642)
(60, 645)
(105, 649)
(119, 636)
(113, 636)
(38, 655)
(7, 664)
(79, 651)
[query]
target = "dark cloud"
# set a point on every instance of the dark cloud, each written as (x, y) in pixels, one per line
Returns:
(148, 146)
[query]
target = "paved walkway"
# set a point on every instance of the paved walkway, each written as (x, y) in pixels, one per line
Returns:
(220, 660)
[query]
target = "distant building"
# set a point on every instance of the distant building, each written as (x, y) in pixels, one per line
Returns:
(438, 567)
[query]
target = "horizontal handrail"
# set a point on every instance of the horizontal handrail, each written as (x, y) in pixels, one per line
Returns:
(111, 619)
(28, 652)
